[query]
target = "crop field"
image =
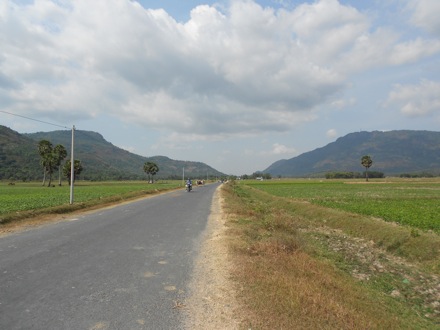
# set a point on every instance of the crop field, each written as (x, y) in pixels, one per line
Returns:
(415, 203)
(321, 255)
(32, 196)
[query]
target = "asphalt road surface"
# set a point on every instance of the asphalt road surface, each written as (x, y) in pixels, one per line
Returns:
(125, 267)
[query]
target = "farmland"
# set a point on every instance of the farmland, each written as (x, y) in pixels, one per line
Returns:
(23, 199)
(337, 255)
(415, 203)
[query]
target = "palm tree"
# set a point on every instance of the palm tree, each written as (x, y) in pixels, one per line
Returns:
(151, 169)
(60, 154)
(45, 151)
(366, 162)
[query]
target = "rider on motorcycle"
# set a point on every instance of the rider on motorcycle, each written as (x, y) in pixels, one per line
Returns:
(189, 184)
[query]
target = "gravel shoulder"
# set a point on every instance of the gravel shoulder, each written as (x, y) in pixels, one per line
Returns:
(212, 300)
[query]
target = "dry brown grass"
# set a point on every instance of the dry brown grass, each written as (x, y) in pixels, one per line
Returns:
(284, 283)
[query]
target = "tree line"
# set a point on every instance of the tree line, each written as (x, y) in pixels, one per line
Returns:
(354, 175)
(366, 162)
(51, 158)
(257, 175)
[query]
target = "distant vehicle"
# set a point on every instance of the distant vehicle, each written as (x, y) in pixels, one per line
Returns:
(188, 185)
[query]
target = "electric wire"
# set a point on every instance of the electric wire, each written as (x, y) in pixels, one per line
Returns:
(41, 121)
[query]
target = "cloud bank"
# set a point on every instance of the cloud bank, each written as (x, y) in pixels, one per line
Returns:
(237, 71)
(416, 100)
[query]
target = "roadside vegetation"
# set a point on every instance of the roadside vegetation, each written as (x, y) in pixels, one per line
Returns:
(25, 200)
(326, 254)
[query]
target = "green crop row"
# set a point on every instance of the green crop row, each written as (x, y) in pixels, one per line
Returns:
(408, 202)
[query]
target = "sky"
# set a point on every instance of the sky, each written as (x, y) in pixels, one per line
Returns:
(236, 84)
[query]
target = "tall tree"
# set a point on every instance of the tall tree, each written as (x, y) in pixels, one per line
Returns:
(60, 153)
(45, 152)
(151, 169)
(51, 159)
(366, 162)
(77, 169)
(51, 165)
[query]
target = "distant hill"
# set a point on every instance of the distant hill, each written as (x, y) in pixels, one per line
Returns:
(393, 152)
(101, 160)
(18, 156)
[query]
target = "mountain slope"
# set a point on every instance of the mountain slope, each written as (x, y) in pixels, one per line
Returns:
(101, 160)
(392, 152)
(104, 161)
(18, 156)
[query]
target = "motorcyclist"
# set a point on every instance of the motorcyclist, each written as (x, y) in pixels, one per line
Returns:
(189, 184)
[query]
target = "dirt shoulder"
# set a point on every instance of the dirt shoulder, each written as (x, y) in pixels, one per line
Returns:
(212, 302)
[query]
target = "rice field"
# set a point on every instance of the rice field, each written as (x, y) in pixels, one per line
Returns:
(33, 196)
(414, 203)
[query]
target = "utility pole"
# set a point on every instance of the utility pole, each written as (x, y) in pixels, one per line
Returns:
(72, 161)
(72, 165)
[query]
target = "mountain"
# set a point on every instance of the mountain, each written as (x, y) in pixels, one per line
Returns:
(18, 156)
(393, 152)
(101, 160)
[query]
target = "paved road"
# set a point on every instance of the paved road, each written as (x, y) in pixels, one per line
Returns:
(120, 268)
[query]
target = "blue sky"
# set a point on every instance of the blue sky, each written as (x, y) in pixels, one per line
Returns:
(235, 84)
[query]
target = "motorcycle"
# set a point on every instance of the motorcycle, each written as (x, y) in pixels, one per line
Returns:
(188, 187)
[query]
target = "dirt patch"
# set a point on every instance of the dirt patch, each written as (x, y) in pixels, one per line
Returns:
(212, 303)
(25, 224)
(29, 223)
(370, 263)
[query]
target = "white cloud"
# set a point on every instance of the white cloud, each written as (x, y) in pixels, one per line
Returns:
(344, 103)
(280, 149)
(240, 71)
(426, 15)
(327, 29)
(413, 50)
(416, 100)
(332, 133)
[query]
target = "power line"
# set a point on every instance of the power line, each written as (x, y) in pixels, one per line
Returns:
(72, 160)
(41, 121)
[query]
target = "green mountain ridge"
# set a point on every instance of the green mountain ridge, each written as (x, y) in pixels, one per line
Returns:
(18, 156)
(392, 152)
(101, 160)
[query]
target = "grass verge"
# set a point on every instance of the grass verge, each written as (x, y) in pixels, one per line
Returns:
(303, 266)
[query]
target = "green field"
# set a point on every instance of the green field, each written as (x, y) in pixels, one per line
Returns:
(26, 197)
(415, 203)
(320, 254)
